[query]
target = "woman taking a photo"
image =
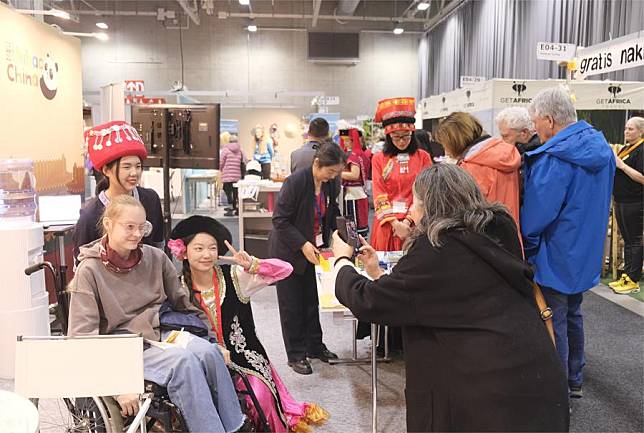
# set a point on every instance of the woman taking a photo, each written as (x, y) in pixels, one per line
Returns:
(478, 356)
(628, 193)
(117, 152)
(303, 221)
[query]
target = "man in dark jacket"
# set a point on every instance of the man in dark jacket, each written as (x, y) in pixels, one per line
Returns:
(318, 133)
(568, 184)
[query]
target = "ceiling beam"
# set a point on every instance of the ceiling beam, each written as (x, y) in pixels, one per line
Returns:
(193, 13)
(224, 15)
(316, 12)
(347, 7)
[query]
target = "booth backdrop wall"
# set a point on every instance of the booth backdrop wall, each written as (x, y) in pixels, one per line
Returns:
(41, 103)
(498, 39)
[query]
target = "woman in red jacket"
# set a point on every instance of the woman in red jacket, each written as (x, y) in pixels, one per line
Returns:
(492, 162)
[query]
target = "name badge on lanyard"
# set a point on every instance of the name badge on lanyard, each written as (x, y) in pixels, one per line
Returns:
(403, 162)
(319, 240)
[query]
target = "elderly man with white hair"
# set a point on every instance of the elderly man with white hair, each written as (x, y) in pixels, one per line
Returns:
(516, 128)
(568, 185)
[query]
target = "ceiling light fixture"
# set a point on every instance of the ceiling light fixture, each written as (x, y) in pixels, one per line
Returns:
(103, 26)
(422, 6)
(252, 28)
(51, 12)
(398, 30)
(244, 2)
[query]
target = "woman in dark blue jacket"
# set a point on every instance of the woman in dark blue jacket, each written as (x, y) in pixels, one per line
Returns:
(303, 220)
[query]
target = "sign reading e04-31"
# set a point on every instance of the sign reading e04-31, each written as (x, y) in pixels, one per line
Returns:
(556, 51)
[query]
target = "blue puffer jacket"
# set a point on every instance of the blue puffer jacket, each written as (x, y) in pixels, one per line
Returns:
(568, 184)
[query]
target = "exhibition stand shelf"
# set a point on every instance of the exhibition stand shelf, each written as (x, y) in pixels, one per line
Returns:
(257, 199)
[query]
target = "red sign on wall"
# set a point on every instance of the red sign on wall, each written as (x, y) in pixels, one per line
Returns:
(136, 86)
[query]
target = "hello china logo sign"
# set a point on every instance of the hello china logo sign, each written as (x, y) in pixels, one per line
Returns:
(36, 70)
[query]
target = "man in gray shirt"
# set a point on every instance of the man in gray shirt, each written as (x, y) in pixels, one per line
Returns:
(318, 133)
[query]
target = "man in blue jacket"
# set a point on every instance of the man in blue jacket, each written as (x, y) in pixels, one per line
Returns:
(568, 184)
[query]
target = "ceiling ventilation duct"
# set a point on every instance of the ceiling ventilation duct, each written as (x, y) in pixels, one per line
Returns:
(347, 7)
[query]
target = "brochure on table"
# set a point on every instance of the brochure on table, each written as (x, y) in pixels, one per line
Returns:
(325, 279)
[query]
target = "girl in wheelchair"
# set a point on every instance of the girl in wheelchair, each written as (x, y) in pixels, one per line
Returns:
(119, 287)
(222, 293)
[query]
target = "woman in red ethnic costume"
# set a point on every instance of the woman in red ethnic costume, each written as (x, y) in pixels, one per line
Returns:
(393, 173)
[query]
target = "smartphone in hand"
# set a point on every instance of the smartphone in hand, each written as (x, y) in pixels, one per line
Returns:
(348, 232)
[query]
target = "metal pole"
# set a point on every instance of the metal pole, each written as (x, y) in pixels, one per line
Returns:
(167, 214)
(374, 380)
(354, 323)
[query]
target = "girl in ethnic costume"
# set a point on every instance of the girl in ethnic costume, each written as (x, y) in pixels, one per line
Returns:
(393, 172)
(222, 293)
(356, 202)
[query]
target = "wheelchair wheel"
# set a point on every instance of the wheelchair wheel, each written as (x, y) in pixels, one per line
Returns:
(74, 415)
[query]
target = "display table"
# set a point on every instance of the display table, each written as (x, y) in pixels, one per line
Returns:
(212, 182)
(329, 304)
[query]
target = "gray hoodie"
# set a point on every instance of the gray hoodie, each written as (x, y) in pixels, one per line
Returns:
(106, 302)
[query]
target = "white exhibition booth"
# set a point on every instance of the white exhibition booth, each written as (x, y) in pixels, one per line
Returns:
(486, 99)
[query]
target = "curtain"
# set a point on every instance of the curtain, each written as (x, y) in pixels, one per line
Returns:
(498, 39)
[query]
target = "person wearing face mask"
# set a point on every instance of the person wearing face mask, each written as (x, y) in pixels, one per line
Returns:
(117, 152)
(223, 294)
(393, 172)
(303, 220)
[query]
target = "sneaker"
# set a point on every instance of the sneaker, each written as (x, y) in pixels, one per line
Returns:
(229, 213)
(627, 287)
(576, 392)
(618, 282)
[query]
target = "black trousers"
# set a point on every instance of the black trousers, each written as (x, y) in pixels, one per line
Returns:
(231, 194)
(297, 298)
(266, 170)
(631, 225)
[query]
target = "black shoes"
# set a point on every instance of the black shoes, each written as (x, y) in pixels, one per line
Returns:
(324, 355)
(301, 367)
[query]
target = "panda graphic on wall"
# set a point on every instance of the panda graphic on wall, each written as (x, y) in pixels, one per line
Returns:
(49, 78)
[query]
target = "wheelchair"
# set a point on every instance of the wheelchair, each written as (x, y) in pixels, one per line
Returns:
(103, 414)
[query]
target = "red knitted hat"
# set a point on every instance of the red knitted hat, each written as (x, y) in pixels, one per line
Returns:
(396, 114)
(110, 141)
(350, 141)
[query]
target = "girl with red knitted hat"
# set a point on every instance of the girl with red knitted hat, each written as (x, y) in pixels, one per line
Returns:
(117, 152)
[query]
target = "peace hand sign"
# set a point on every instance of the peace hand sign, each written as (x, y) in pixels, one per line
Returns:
(241, 258)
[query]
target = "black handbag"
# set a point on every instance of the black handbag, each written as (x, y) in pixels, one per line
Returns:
(171, 320)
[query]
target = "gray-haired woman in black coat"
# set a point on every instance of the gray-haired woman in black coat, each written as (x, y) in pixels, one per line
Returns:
(478, 357)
